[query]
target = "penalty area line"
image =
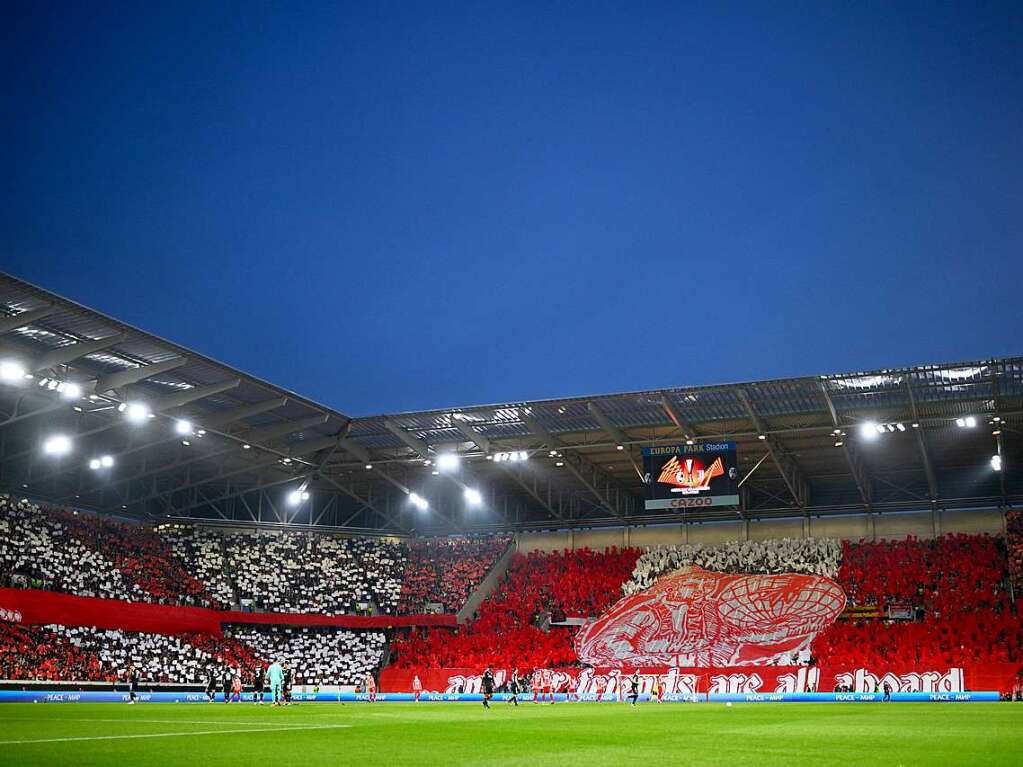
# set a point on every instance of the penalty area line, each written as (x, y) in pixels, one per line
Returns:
(173, 734)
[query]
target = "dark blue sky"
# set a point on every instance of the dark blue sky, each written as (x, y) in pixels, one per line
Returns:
(398, 206)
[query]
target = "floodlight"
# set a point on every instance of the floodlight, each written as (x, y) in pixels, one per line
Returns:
(58, 445)
(106, 461)
(136, 412)
(418, 501)
(70, 390)
(996, 462)
(868, 430)
(448, 461)
(473, 497)
(11, 371)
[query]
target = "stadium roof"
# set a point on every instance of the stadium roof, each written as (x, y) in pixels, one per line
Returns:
(251, 444)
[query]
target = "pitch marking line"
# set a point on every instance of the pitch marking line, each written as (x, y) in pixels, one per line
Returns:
(172, 734)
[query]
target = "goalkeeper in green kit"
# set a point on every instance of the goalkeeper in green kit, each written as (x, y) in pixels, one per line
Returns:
(275, 675)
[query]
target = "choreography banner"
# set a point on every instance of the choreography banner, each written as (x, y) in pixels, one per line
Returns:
(695, 617)
(36, 607)
(613, 684)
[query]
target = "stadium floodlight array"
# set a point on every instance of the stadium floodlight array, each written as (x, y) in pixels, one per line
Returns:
(870, 430)
(103, 462)
(473, 496)
(515, 455)
(418, 501)
(966, 422)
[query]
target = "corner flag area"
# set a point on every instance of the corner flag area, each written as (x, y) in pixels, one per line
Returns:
(532, 734)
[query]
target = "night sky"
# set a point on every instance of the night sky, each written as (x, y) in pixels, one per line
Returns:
(389, 207)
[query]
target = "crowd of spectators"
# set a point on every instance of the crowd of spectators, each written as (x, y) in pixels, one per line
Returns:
(35, 652)
(509, 628)
(952, 593)
(39, 548)
(317, 656)
(203, 551)
(811, 556)
(1014, 545)
(446, 570)
(314, 573)
(271, 571)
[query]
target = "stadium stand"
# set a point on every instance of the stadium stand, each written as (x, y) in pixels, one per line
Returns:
(35, 652)
(314, 573)
(38, 548)
(203, 551)
(956, 591)
(446, 570)
(317, 655)
(507, 630)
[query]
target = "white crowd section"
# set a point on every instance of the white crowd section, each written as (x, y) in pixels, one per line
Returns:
(38, 545)
(811, 556)
(317, 656)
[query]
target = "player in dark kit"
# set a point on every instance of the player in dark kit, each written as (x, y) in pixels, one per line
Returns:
(634, 681)
(289, 676)
(211, 685)
(133, 683)
(488, 687)
(257, 685)
(513, 687)
(227, 681)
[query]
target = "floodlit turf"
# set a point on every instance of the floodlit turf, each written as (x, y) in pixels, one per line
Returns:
(588, 734)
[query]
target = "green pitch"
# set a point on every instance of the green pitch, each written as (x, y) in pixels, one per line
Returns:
(395, 734)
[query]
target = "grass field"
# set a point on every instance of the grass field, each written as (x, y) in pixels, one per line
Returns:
(463, 733)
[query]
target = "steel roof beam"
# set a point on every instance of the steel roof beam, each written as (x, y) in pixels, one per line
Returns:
(921, 441)
(579, 466)
(180, 398)
(687, 431)
(65, 354)
(480, 440)
(111, 381)
(616, 434)
(790, 470)
(856, 468)
(23, 319)
(418, 446)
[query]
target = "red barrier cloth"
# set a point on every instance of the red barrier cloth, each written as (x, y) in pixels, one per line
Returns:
(41, 607)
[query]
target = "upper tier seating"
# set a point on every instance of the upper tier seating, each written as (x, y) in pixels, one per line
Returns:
(447, 570)
(73, 556)
(312, 572)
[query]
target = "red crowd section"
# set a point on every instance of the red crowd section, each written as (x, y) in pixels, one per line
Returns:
(957, 588)
(506, 631)
(139, 553)
(33, 652)
(447, 571)
(1014, 544)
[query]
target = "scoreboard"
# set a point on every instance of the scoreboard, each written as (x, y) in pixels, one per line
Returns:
(691, 476)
